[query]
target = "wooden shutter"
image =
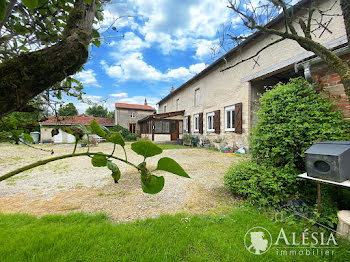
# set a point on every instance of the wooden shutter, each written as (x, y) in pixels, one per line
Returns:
(217, 121)
(200, 123)
(189, 124)
(238, 118)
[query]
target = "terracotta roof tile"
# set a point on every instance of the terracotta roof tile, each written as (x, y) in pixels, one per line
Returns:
(133, 106)
(82, 119)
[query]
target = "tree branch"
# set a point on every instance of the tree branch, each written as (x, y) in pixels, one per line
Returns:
(24, 77)
(255, 55)
(8, 13)
(44, 162)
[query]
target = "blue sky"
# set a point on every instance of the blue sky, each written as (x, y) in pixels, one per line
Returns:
(164, 43)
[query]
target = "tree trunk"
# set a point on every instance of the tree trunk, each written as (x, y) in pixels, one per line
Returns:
(345, 7)
(24, 77)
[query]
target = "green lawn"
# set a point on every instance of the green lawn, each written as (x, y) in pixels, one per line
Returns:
(172, 146)
(80, 237)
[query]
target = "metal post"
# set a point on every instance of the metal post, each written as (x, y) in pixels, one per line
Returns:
(319, 198)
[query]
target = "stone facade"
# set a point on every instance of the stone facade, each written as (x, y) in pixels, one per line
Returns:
(222, 89)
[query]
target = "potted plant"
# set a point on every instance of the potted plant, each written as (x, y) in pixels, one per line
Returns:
(187, 140)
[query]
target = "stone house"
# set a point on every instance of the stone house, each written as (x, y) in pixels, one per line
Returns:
(219, 104)
(52, 122)
(127, 115)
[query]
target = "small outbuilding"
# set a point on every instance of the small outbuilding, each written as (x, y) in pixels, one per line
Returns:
(54, 122)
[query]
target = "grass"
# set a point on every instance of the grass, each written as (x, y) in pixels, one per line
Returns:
(172, 146)
(81, 237)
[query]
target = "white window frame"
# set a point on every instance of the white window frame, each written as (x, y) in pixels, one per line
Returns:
(132, 113)
(210, 128)
(185, 125)
(178, 104)
(232, 110)
(197, 102)
(196, 119)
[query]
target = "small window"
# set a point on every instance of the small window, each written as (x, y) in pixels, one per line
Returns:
(177, 104)
(230, 118)
(210, 122)
(196, 123)
(132, 114)
(197, 97)
(186, 124)
(164, 109)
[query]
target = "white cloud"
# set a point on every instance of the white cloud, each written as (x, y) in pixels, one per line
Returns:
(133, 67)
(88, 78)
(119, 95)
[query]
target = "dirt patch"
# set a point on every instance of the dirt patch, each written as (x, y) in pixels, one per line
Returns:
(73, 185)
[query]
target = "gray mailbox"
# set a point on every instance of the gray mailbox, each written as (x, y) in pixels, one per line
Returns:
(329, 160)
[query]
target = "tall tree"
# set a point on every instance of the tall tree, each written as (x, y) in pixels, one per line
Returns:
(97, 111)
(60, 30)
(68, 110)
(298, 28)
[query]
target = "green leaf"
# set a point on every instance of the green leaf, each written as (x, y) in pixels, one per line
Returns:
(116, 138)
(31, 4)
(95, 33)
(146, 148)
(153, 184)
(96, 42)
(99, 160)
(170, 165)
(27, 137)
(97, 129)
(115, 171)
(2, 9)
(88, 1)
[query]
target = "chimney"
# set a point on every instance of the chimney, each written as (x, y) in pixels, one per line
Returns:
(172, 89)
(145, 102)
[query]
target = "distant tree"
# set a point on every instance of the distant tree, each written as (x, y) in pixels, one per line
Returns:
(110, 114)
(97, 111)
(68, 110)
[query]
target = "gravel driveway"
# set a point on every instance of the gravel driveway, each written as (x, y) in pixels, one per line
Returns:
(73, 185)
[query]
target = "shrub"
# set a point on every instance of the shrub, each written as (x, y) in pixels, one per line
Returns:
(132, 137)
(118, 128)
(290, 118)
(262, 185)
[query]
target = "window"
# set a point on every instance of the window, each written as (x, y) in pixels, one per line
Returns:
(164, 109)
(161, 127)
(230, 118)
(132, 114)
(196, 97)
(196, 123)
(132, 128)
(177, 104)
(210, 122)
(186, 124)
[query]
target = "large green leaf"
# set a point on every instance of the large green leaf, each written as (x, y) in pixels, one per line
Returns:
(153, 184)
(2, 9)
(97, 129)
(116, 138)
(31, 4)
(115, 171)
(99, 160)
(170, 165)
(146, 148)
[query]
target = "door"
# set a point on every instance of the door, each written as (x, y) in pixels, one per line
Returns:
(174, 130)
(132, 128)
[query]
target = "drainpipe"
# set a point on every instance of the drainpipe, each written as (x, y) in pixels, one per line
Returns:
(306, 65)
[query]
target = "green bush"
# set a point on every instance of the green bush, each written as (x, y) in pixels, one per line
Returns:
(262, 185)
(132, 137)
(118, 128)
(290, 118)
